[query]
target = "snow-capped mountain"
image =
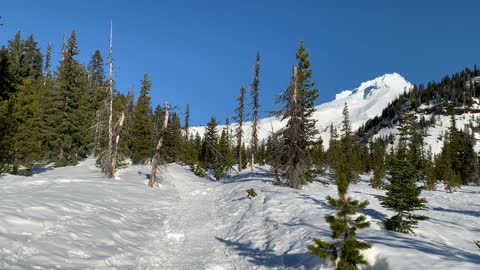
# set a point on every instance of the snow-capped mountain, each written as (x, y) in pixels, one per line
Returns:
(364, 102)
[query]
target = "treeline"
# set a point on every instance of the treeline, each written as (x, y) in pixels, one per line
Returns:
(60, 116)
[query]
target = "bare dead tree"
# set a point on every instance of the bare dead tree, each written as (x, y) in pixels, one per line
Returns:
(156, 156)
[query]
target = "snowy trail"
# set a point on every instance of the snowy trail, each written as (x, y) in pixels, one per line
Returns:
(191, 230)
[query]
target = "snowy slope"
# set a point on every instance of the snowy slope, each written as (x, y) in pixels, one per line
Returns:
(364, 102)
(73, 218)
(436, 133)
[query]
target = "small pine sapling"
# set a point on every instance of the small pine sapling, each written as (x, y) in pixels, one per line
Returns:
(251, 193)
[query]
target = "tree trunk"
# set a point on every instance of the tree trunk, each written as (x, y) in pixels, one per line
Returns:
(155, 161)
(113, 164)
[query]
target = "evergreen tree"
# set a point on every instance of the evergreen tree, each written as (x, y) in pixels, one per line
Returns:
(187, 122)
(379, 165)
(345, 223)
(344, 166)
(141, 132)
(317, 153)
(239, 130)
(254, 92)
(209, 155)
(430, 177)
(299, 99)
(402, 191)
(174, 140)
(67, 113)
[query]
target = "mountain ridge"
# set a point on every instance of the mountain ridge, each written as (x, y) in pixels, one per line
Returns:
(365, 102)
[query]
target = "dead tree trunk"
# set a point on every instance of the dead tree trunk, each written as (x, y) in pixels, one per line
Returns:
(110, 105)
(118, 130)
(156, 156)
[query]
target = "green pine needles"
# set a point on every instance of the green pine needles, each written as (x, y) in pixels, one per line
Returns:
(402, 191)
(345, 248)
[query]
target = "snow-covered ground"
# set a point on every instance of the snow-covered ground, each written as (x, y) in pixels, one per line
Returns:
(73, 218)
(436, 133)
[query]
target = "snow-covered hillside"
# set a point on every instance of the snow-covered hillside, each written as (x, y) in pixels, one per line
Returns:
(74, 218)
(364, 102)
(435, 134)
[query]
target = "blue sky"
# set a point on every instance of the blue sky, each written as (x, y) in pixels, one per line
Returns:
(201, 52)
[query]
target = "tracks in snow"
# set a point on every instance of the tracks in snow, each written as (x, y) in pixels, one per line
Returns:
(188, 236)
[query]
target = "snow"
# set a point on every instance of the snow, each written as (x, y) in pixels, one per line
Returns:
(74, 218)
(364, 102)
(436, 133)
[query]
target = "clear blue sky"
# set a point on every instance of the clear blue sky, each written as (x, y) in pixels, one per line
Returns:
(201, 52)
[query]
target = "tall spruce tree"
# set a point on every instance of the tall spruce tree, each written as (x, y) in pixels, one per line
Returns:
(254, 93)
(239, 130)
(402, 192)
(141, 133)
(69, 145)
(209, 155)
(378, 163)
(299, 100)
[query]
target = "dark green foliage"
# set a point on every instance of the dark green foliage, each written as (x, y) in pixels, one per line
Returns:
(346, 222)
(68, 116)
(141, 133)
(254, 93)
(198, 170)
(299, 99)
(378, 163)
(344, 226)
(430, 177)
(317, 153)
(344, 166)
(251, 193)
(210, 140)
(457, 163)
(174, 140)
(402, 192)
(239, 111)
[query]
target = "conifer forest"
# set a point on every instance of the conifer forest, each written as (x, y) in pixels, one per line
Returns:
(94, 175)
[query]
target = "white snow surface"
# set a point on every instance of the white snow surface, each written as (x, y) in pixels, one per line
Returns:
(74, 218)
(364, 102)
(436, 133)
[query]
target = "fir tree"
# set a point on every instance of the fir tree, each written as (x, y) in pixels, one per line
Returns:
(239, 130)
(141, 132)
(345, 166)
(345, 223)
(174, 140)
(379, 166)
(71, 83)
(402, 191)
(209, 154)
(254, 92)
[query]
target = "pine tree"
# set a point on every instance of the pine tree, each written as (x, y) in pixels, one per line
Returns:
(187, 122)
(254, 92)
(379, 166)
(430, 177)
(344, 166)
(141, 132)
(209, 155)
(299, 99)
(402, 191)
(239, 130)
(345, 223)
(71, 83)
(174, 140)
